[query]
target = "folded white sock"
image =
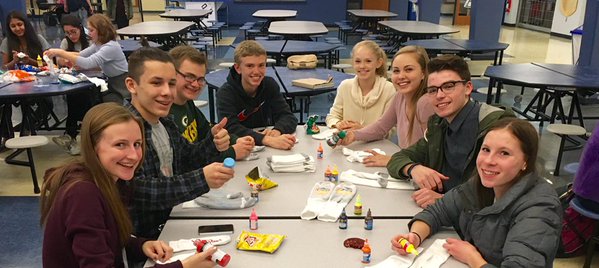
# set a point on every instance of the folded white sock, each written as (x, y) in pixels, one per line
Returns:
(220, 199)
(371, 179)
(342, 194)
(324, 134)
(358, 156)
(291, 163)
(319, 195)
(433, 256)
(288, 159)
(396, 261)
(187, 244)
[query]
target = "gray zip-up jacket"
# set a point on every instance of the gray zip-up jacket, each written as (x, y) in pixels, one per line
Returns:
(521, 229)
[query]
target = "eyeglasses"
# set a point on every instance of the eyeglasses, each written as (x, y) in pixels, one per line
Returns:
(71, 32)
(243, 115)
(189, 78)
(446, 87)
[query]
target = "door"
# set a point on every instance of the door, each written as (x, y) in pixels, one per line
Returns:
(461, 12)
(376, 4)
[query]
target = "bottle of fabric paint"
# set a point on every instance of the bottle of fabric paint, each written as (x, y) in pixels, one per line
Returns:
(333, 140)
(368, 221)
(366, 252)
(253, 220)
(343, 220)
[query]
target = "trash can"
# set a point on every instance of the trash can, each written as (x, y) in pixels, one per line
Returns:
(576, 40)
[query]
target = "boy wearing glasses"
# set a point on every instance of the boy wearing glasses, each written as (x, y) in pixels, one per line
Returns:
(249, 99)
(173, 170)
(191, 122)
(446, 156)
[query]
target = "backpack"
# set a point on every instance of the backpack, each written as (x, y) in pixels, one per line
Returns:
(576, 230)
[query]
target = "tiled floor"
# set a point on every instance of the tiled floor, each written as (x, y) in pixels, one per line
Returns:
(525, 46)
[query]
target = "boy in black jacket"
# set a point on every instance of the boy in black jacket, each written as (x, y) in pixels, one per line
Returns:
(249, 99)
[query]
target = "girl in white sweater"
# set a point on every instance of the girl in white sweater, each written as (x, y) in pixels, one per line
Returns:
(363, 99)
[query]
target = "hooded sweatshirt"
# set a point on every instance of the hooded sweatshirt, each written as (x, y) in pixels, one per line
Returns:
(244, 112)
(351, 105)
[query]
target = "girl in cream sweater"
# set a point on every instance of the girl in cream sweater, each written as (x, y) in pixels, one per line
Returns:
(363, 99)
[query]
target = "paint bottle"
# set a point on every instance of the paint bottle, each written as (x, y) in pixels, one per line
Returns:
(358, 205)
(255, 193)
(319, 151)
(343, 220)
(229, 162)
(407, 246)
(219, 257)
(327, 174)
(335, 174)
(40, 63)
(368, 221)
(333, 140)
(253, 220)
(366, 252)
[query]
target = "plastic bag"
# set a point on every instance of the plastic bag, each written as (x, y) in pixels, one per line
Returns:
(259, 242)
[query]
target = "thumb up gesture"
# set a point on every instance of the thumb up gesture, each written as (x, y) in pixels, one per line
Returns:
(221, 135)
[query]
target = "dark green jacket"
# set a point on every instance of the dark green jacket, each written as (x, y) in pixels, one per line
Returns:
(428, 151)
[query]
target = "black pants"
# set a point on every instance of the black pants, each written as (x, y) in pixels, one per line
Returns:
(77, 106)
(6, 128)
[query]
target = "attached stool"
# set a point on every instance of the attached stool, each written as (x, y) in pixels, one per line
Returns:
(485, 90)
(226, 64)
(25, 143)
(342, 67)
(594, 239)
(270, 62)
(565, 131)
(200, 103)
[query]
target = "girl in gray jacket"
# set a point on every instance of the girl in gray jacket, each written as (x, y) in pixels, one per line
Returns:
(505, 215)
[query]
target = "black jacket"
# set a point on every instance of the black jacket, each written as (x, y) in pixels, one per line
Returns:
(231, 100)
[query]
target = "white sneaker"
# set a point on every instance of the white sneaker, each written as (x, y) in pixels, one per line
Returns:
(74, 148)
(63, 142)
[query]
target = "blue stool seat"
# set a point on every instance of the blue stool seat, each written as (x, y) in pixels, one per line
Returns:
(594, 239)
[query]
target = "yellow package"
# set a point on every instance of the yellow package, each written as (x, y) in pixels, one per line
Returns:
(259, 242)
(258, 181)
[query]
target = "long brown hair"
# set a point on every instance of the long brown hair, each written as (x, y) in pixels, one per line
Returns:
(422, 59)
(95, 121)
(528, 138)
(104, 28)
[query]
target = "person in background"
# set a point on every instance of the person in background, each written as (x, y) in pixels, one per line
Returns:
(120, 11)
(362, 100)
(85, 222)
(506, 214)
(80, 102)
(250, 99)
(191, 72)
(20, 38)
(79, 8)
(173, 171)
(445, 157)
(105, 53)
(409, 111)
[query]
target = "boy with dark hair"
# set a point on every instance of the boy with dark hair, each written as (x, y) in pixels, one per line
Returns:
(173, 170)
(193, 125)
(250, 99)
(446, 156)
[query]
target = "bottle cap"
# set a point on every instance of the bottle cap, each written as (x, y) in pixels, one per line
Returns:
(229, 162)
(253, 215)
(342, 134)
(358, 200)
(225, 260)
